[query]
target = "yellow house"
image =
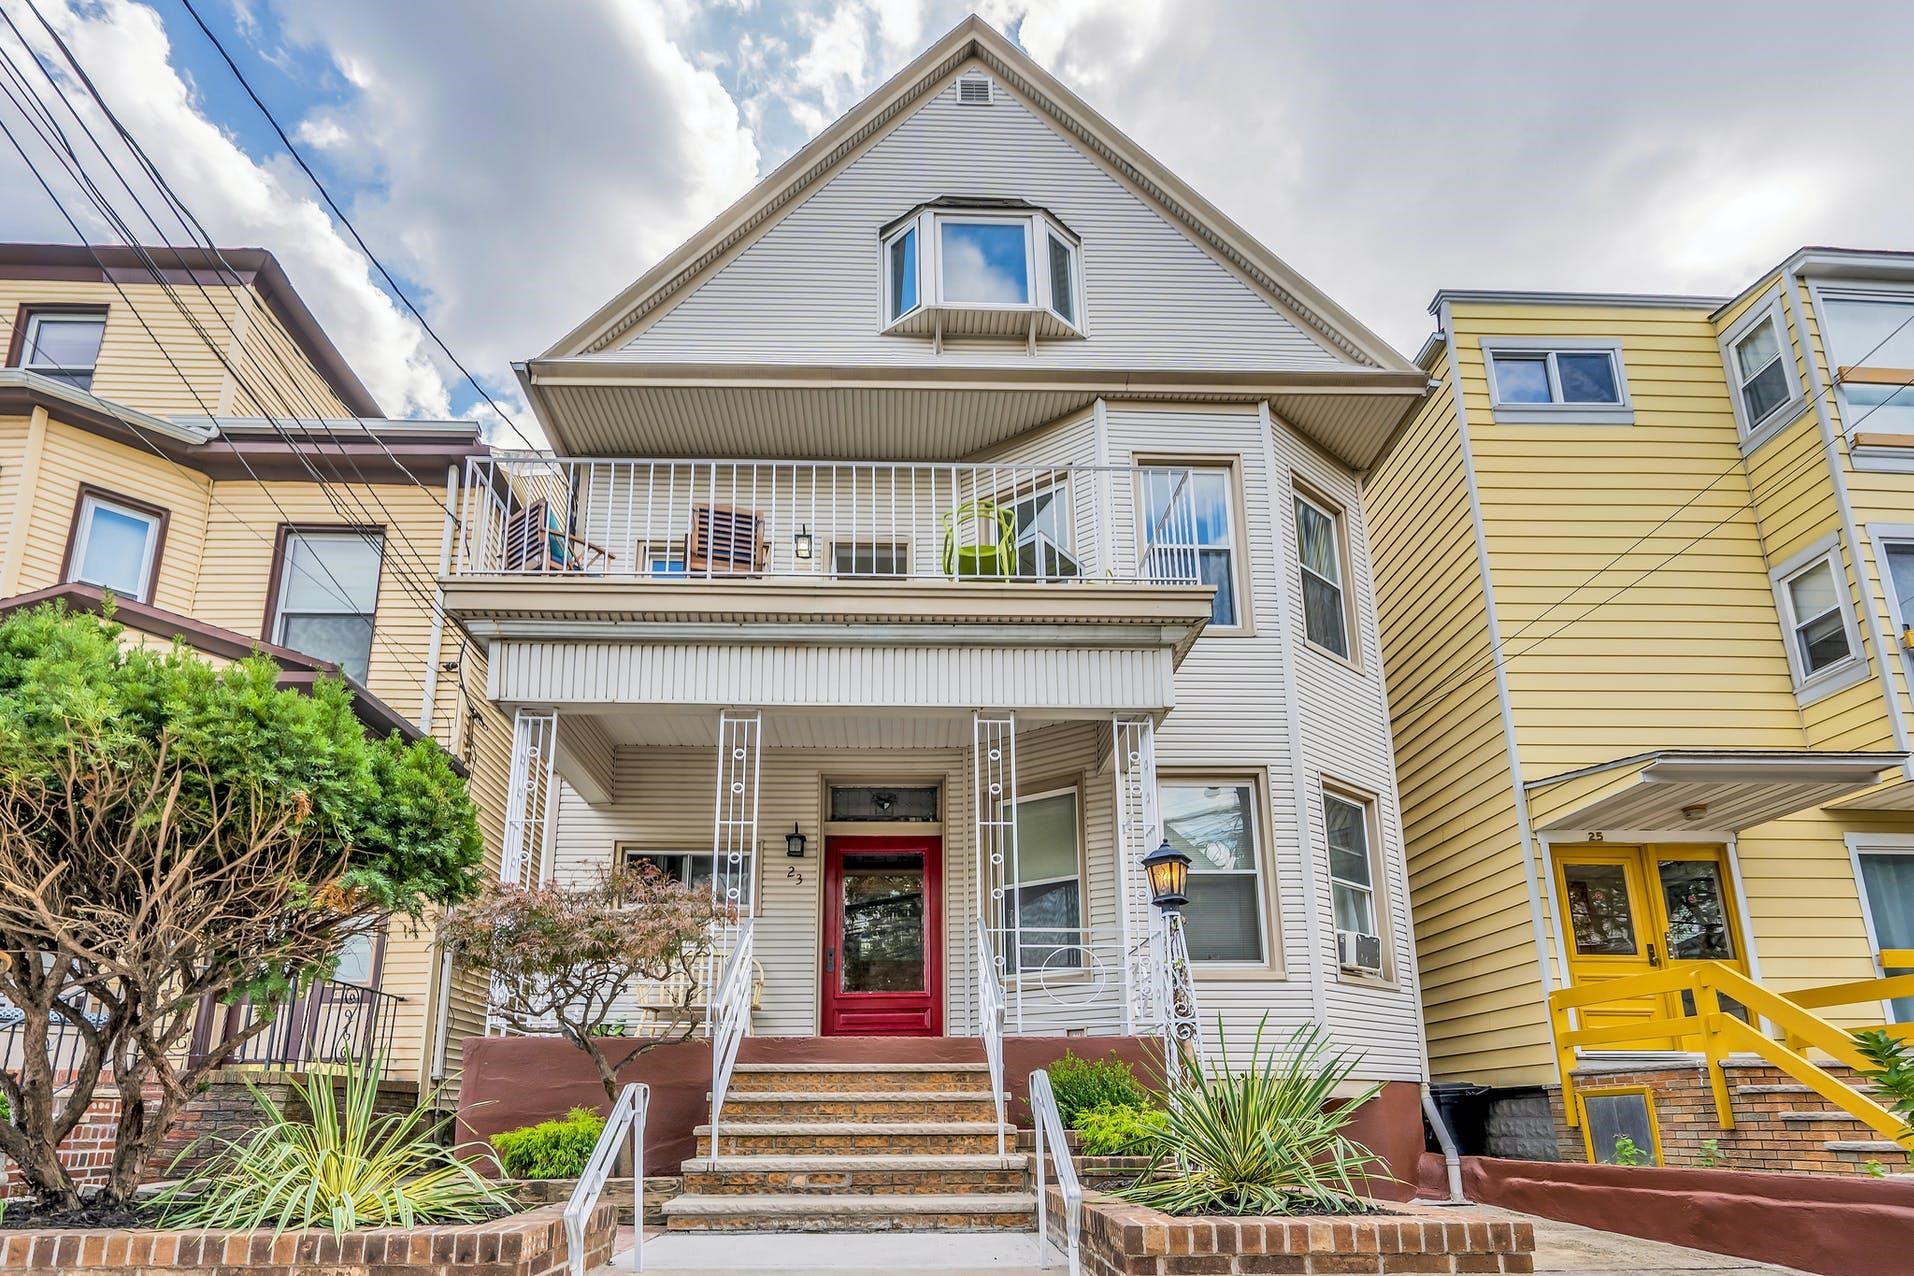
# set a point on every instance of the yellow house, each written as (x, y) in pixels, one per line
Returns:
(176, 428)
(1644, 566)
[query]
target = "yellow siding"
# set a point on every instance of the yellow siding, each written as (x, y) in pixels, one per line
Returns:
(161, 354)
(274, 376)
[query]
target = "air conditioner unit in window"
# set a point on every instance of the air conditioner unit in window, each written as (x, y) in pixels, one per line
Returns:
(1357, 951)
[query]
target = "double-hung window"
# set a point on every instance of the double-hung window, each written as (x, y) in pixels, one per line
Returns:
(1352, 874)
(63, 345)
(1189, 532)
(692, 868)
(328, 591)
(1565, 380)
(1760, 369)
(1871, 341)
(1319, 554)
(1215, 825)
(116, 544)
(1044, 911)
(1811, 592)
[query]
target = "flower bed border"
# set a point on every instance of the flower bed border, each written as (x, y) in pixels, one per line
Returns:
(1121, 1239)
(531, 1243)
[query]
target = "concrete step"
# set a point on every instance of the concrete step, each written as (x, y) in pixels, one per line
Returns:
(859, 1077)
(1866, 1147)
(883, 1175)
(810, 1138)
(859, 1105)
(852, 1213)
(1830, 1114)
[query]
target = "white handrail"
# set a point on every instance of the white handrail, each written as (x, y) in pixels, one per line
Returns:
(626, 1114)
(1049, 1127)
(730, 1021)
(990, 1014)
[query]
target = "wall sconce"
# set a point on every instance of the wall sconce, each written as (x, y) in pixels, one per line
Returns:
(794, 843)
(801, 544)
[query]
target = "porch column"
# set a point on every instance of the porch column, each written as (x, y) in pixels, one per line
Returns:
(530, 802)
(734, 831)
(994, 802)
(1162, 992)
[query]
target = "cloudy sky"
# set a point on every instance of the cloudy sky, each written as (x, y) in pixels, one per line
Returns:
(516, 163)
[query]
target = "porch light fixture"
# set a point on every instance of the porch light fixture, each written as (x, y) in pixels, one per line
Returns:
(801, 545)
(794, 843)
(1169, 873)
(1694, 812)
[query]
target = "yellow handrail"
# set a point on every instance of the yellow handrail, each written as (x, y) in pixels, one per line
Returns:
(1722, 1034)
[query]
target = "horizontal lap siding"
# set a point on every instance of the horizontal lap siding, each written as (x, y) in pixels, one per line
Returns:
(152, 357)
(275, 378)
(1481, 991)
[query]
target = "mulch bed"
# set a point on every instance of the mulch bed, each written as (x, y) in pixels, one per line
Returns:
(21, 1214)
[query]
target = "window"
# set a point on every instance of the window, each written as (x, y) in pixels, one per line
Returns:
(1811, 594)
(1565, 380)
(911, 804)
(328, 592)
(692, 868)
(985, 263)
(1319, 553)
(1887, 882)
(1189, 530)
(1043, 533)
(1215, 825)
(877, 560)
(116, 544)
(901, 274)
(1352, 884)
(1759, 369)
(1044, 909)
(665, 561)
(1871, 342)
(63, 346)
(949, 258)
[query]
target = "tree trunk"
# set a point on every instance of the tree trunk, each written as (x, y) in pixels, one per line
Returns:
(53, 1187)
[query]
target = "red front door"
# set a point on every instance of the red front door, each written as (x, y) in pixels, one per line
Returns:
(882, 959)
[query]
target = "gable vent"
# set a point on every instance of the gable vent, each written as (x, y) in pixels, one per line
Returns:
(973, 90)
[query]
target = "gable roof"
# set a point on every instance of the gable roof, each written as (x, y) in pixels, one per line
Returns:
(973, 38)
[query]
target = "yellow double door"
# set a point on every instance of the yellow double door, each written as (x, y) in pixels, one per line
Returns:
(1630, 910)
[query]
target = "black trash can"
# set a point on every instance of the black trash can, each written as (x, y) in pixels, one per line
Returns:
(1465, 1110)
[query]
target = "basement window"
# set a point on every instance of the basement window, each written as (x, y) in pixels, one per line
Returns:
(983, 268)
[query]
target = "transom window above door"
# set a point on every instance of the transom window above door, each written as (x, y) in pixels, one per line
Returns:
(988, 267)
(1563, 382)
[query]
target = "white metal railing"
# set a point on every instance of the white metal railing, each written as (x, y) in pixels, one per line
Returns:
(627, 1114)
(1050, 1140)
(1060, 980)
(1177, 1017)
(730, 1021)
(990, 1024)
(530, 514)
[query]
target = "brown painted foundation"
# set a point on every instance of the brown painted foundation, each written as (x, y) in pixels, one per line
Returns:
(1817, 1223)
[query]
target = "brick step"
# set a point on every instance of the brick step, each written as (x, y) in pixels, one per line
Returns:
(847, 1213)
(754, 1078)
(812, 1138)
(859, 1105)
(881, 1175)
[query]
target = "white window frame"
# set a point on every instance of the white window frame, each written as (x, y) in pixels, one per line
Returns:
(1557, 412)
(1811, 686)
(279, 609)
(1081, 877)
(1860, 844)
(65, 375)
(1259, 853)
(625, 854)
(1229, 467)
(1820, 296)
(1376, 888)
(83, 532)
(1769, 311)
(1038, 228)
(899, 549)
(1338, 529)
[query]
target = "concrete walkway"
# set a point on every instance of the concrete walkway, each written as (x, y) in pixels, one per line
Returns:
(1563, 1249)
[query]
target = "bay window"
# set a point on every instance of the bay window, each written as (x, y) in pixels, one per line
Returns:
(985, 268)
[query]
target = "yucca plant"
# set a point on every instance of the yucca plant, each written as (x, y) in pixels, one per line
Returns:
(1265, 1138)
(344, 1167)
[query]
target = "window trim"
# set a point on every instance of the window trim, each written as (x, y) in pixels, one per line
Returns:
(1241, 574)
(1809, 687)
(276, 580)
(1039, 227)
(27, 312)
(1768, 309)
(1380, 895)
(1049, 788)
(1818, 297)
(77, 530)
(621, 850)
(1860, 844)
(1557, 412)
(1269, 904)
(1338, 515)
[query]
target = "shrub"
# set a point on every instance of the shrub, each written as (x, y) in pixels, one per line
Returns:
(1628, 1152)
(343, 1167)
(1082, 1085)
(1115, 1130)
(550, 1149)
(1892, 1075)
(1266, 1139)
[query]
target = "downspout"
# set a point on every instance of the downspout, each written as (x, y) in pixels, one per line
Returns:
(1451, 1159)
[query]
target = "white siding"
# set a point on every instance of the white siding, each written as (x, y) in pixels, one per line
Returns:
(807, 291)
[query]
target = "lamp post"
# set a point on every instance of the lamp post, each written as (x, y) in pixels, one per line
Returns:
(1168, 870)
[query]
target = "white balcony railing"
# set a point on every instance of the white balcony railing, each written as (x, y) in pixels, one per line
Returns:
(665, 520)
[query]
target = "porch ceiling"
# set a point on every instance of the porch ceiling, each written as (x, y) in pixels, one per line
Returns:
(871, 730)
(1725, 790)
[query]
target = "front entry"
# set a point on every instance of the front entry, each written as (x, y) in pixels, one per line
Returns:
(883, 931)
(1636, 909)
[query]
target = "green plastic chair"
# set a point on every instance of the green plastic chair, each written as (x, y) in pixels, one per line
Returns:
(980, 559)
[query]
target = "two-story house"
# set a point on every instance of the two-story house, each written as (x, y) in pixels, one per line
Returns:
(178, 432)
(1644, 568)
(968, 509)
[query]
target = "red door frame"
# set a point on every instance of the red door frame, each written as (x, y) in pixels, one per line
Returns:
(882, 1014)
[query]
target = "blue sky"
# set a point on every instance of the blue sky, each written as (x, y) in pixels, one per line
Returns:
(516, 163)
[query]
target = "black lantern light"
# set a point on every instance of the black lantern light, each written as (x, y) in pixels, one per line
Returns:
(794, 843)
(1169, 872)
(802, 543)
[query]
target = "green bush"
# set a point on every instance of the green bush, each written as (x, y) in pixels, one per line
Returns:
(1083, 1085)
(550, 1149)
(1119, 1130)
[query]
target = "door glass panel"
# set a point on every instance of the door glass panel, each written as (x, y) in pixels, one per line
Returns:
(1697, 910)
(1890, 900)
(883, 911)
(1599, 911)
